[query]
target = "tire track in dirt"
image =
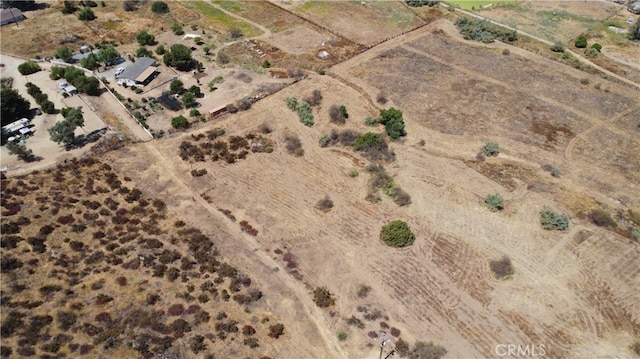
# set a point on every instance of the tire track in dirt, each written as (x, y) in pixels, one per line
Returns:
(310, 308)
(606, 123)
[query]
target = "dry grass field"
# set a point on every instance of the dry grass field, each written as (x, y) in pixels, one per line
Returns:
(292, 213)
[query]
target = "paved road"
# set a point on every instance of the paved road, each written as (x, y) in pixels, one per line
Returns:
(544, 41)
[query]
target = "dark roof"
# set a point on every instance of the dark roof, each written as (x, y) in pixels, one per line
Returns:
(137, 68)
(10, 15)
(169, 101)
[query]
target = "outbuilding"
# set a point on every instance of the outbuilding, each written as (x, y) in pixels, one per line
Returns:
(10, 15)
(213, 113)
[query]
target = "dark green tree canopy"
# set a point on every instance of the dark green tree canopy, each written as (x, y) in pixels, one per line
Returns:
(64, 53)
(179, 56)
(108, 54)
(145, 38)
(159, 7)
(393, 122)
(13, 105)
(86, 14)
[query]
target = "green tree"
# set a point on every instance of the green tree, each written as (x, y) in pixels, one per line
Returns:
(177, 87)
(179, 122)
(62, 132)
(69, 7)
(495, 202)
(73, 115)
(159, 7)
(397, 234)
(393, 122)
(581, 42)
(491, 149)
(86, 14)
(13, 106)
(188, 99)
(57, 72)
(108, 54)
(90, 62)
(143, 52)
(64, 53)
(195, 90)
(21, 151)
(47, 107)
(145, 38)
(179, 56)
(160, 50)
(634, 31)
(28, 68)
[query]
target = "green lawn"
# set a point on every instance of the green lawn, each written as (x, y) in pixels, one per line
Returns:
(476, 4)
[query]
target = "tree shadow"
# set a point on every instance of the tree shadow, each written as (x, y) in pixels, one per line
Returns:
(84, 140)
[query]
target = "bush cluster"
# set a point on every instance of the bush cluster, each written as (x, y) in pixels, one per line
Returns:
(491, 149)
(380, 180)
(86, 84)
(293, 145)
(323, 297)
(338, 114)
(393, 122)
(495, 202)
(484, 31)
(28, 68)
(41, 98)
(302, 108)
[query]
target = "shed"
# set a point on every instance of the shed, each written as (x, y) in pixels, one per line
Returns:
(213, 113)
(140, 72)
(10, 15)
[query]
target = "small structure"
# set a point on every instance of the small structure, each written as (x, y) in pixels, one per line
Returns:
(213, 113)
(15, 128)
(169, 100)
(634, 7)
(10, 15)
(140, 72)
(67, 89)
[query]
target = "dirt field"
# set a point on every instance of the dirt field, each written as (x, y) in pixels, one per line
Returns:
(574, 292)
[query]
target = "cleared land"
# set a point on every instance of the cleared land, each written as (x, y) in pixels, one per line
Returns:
(577, 292)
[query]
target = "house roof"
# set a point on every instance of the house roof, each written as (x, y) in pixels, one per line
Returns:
(133, 71)
(145, 74)
(10, 15)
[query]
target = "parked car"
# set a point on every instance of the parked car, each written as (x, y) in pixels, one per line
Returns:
(119, 70)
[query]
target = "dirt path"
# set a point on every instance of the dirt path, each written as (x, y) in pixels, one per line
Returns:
(574, 141)
(314, 315)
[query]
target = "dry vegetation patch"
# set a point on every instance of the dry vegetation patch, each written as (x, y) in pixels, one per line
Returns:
(75, 235)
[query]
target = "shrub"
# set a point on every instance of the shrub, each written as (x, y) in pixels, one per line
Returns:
(324, 141)
(495, 202)
(502, 268)
(634, 34)
(602, 218)
(342, 336)
(369, 140)
(554, 221)
(28, 68)
(597, 47)
(381, 98)
(145, 38)
(338, 114)
(69, 7)
(235, 33)
(266, 64)
(86, 14)
(302, 108)
(315, 99)
(177, 29)
(179, 122)
(159, 7)
(484, 31)
(557, 47)
(636, 346)
(276, 330)
(397, 234)
(428, 351)
(353, 172)
(393, 122)
(323, 297)
(402, 348)
(491, 149)
(555, 172)
(294, 146)
(581, 42)
(325, 204)
(591, 52)
(363, 291)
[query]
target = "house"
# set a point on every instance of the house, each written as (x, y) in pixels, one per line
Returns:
(217, 111)
(140, 72)
(10, 15)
